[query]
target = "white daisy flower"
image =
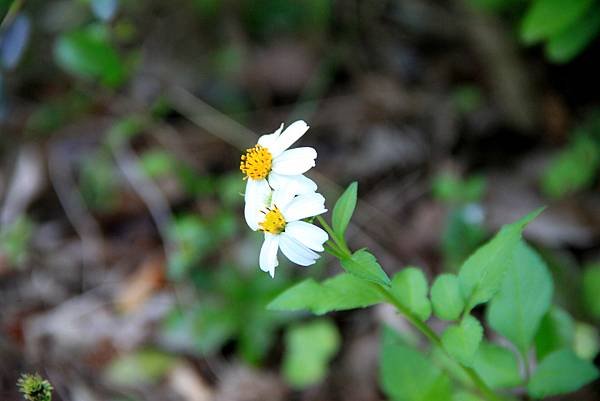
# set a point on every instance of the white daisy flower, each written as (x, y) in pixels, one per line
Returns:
(270, 164)
(280, 218)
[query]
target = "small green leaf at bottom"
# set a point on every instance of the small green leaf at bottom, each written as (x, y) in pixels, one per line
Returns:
(559, 373)
(462, 340)
(309, 347)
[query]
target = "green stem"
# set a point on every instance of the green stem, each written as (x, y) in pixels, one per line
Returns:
(333, 249)
(339, 242)
(483, 388)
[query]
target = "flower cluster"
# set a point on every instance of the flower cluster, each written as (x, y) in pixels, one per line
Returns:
(278, 198)
(34, 388)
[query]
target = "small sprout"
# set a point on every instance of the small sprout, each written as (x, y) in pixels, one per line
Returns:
(34, 388)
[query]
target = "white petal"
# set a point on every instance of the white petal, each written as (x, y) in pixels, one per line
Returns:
(282, 196)
(307, 234)
(295, 161)
(268, 140)
(256, 197)
(296, 252)
(288, 137)
(303, 206)
(299, 184)
(268, 254)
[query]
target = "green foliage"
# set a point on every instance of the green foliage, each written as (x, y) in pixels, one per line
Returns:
(34, 388)
(546, 18)
(498, 366)
(343, 210)
(574, 168)
(524, 298)
(98, 182)
(309, 348)
(556, 331)
(452, 189)
(446, 297)
(463, 233)
(410, 288)
(139, 368)
(591, 289)
(587, 341)
(408, 375)
(363, 265)
(193, 239)
(483, 272)
(565, 45)
(14, 240)
(232, 308)
(462, 340)
(87, 54)
(559, 373)
(341, 292)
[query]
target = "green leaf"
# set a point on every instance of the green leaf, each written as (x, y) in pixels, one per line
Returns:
(341, 292)
(462, 340)
(497, 366)
(524, 298)
(86, 54)
(482, 273)
(451, 188)
(546, 18)
(446, 298)
(591, 289)
(567, 44)
(587, 341)
(556, 331)
(309, 348)
(407, 375)
(139, 368)
(574, 168)
(363, 264)
(463, 233)
(559, 373)
(343, 210)
(410, 288)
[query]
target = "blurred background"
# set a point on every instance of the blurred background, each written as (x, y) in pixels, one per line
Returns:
(126, 269)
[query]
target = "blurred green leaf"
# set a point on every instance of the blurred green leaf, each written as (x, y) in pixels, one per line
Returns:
(556, 331)
(364, 265)
(524, 298)
(98, 182)
(591, 289)
(341, 292)
(574, 168)
(587, 341)
(482, 273)
(546, 18)
(407, 375)
(157, 163)
(467, 98)
(14, 240)
(498, 366)
(463, 233)
(446, 297)
(343, 210)
(452, 189)
(410, 289)
(462, 340)
(567, 44)
(309, 348)
(139, 368)
(192, 239)
(86, 54)
(559, 373)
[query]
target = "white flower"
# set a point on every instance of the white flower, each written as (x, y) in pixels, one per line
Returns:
(280, 218)
(270, 164)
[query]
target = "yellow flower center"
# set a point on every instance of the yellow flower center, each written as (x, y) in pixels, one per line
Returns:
(256, 163)
(274, 222)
